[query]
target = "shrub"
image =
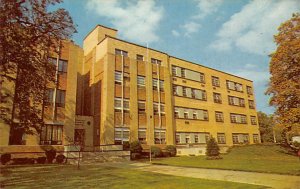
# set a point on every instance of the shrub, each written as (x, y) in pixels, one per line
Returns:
(135, 156)
(212, 148)
(60, 158)
(41, 160)
(22, 161)
(50, 154)
(171, 149)
(126, 145)
(156, 151)
(5, 158)
(135, 147)
(166, 154)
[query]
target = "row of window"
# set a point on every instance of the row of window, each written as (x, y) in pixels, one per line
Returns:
(139, 57)
(200, 77)
(189, 92)
(202, 138)
(51, 135)
(189, 113)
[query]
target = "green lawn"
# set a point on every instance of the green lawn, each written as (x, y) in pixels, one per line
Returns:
(99, 176)
(257, 158)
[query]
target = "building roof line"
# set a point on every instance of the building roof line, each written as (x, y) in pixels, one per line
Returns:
(96, 27)
(108, 36)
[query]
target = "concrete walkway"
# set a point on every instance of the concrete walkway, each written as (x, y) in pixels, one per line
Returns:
(270, 180)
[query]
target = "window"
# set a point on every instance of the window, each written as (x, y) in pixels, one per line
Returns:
(51, 135)
(221, 138)
(186, 115)
(155, 61)
(196, 137)
(141, 81)
(195, 115)
(253, 120)
(251, 104)
(142, 107)
(155, 108)
(174, 71)
(183, 72)
(154, 83)
(235, 139)
(217, 98)
(255, 138)
(142, 136)
(139, 57)
(162, 108)
(219, 117)
(187, 138)
(234, 86)
(202, 78)
(205, 115)
(176, 114)
(160, 136)
(118, 77)
(118, 104)
(249, 90)
(49, 95)
(238, 118)
(184, 91)
(235, 101)
(177, 138)
(121, 135)
(60, 98)
(121, 52)
(161, 86)
(174, 89)
(215, 81)
(62, 64)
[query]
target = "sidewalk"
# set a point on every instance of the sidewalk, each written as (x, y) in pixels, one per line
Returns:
(271, 180)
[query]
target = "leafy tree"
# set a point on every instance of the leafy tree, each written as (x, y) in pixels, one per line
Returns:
(212, 148)
(28, 32)
(284, 86)
(266, 125)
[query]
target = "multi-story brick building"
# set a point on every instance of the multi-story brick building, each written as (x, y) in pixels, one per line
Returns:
(58, 109)
(127, 92)
(138, 93)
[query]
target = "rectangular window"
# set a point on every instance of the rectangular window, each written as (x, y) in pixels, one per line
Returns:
(160, 136)
(121, 52)
(121, 135)
(184, 91)
(142, 107)
(234, 86)
(219, 117)
(155, 61)
(176, 114)
(251, 104)
(243, 119)
(142, 136)
(161, 86)
(139, 57)
(155, 84)
(118, 104)
(155, 108)
(183, 73)
(186, 115)
(215, 81)
(202, 78)
(174, 89)
(221, 138)
(49, 95)
(196, 137)
(249, 90)
(187, 138)
(205, 115)
(51, 135)
(177, 138)
(217, 98)
(62, 64)
(118, 77)
(141, 81)
(236, 101)
(253, 120)
(255, 138)
(195, 115)
(60, 98)
(174, 71)
(238, 118)
(235, 138)
(162, 108)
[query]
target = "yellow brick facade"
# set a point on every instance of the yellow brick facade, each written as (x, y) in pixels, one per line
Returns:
(117, 123)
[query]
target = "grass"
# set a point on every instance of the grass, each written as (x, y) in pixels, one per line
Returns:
(67, 176)
(254, 158)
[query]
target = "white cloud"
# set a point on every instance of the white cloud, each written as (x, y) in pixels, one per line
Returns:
(207, 7)
(251, 30)
(135, 20)
(175, 33)
(190, 28)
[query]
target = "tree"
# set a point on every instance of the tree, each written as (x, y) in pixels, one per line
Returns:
(212, 148)
(28, 33)
(284, 86)
(266, 125)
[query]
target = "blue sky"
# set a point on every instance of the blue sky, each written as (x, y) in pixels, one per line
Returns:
(234, 36)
